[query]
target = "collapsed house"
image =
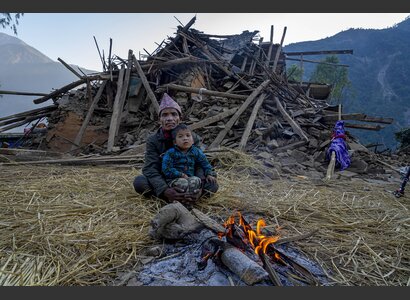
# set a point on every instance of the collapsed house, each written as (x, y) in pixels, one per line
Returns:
(234, 93)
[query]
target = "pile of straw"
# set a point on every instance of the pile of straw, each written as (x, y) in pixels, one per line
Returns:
(64, 225)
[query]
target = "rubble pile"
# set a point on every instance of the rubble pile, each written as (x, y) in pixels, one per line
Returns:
(234, 93)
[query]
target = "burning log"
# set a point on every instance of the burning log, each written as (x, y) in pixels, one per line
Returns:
(240, 264)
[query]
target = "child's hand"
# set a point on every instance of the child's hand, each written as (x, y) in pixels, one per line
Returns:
(184, 176)
(211, 179)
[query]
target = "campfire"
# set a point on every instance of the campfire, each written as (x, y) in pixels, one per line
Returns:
(199, 249)
(258, 247)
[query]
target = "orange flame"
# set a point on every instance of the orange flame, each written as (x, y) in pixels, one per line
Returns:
(257, 240)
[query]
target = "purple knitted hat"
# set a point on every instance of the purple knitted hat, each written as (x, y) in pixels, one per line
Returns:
(168, 102)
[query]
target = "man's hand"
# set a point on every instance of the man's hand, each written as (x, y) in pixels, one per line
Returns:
(174, 194)
(210, 179)
(187, 199)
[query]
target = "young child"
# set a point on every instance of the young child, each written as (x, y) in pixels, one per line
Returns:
(179, 162)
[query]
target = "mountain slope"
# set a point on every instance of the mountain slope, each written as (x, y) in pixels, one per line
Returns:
(379, 70)
(25, 69)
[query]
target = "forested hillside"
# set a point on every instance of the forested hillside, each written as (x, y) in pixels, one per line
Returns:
(379, 71)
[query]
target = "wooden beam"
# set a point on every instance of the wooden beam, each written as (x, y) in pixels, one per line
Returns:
(66, 88)
(317, 62)
(172, 62)
(116, 113)
(30, 112)
(27, 120)
(291, 122)
(213, 119)
(235, 117)
(251, 120)
(279, 50)
(172, 86)
(21, 93)
(146, 85)
(358, 117)
(378, 120)
(87, 118)
(334, 117)
(70, 68)
(364, 126)
(319, 52)
(270, 46)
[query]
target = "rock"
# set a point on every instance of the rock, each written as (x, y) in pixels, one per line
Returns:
(358, 165)
(347, 174)
(173, 222)
(264, 155)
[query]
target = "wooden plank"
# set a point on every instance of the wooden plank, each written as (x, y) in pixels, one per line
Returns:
(146, 85)
(187, 89)
(334, 117)
(279, 50)
(270, 47)
(26, 120)
(116, 111)
(87, 118)
(317, 62)
(291, 122)
(213, 119)
(119, 103)
(69, 68)
(289, 147)
(27, 113)
(364, 126)
(251, 121)
(378, 120)
(235, 117)
(66, 88)
(358, 117)
(319, 52)
(2, 92)
(172, 62)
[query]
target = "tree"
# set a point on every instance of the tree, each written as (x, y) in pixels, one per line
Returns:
(7, 20)
(330, 73)
(294, 73)
(403, 137)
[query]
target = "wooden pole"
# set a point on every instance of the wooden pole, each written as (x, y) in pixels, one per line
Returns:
(291, 122)
(146, 85)
(115, 111)
(279, 50)
(70, 68)
(78, 138)
(251, 120)
(331, 167)
(176, 87)
(235, 117)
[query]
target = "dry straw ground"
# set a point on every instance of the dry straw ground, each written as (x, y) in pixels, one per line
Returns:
(65, 225)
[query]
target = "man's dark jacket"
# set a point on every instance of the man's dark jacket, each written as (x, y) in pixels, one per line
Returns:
(156, 146)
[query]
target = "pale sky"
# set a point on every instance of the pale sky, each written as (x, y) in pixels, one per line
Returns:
(70, 35)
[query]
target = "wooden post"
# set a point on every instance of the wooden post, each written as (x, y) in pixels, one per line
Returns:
(331, 167)
(249, 126)
(70, 68)
(279, 50)
(146, 85)
(291, 122)
(270, 46)
(115, 111)
(235, 117)
(87, 118)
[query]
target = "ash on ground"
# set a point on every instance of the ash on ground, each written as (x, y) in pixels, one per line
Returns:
(178, 265)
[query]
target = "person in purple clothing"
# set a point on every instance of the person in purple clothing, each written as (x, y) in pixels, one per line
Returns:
(179, 162)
